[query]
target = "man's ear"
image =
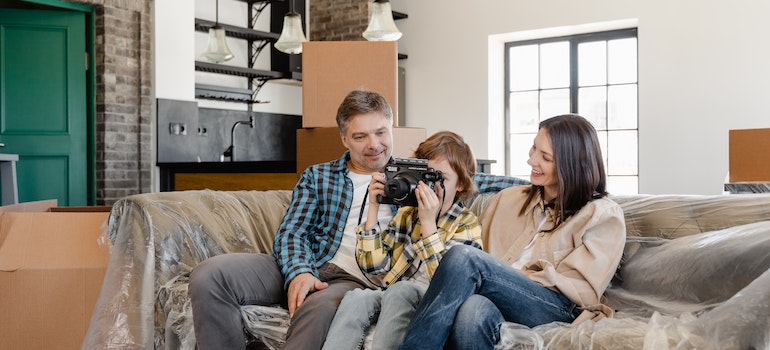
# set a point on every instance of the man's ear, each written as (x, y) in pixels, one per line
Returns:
(344, 142)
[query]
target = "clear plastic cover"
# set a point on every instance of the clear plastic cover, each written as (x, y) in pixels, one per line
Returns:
(694, 273)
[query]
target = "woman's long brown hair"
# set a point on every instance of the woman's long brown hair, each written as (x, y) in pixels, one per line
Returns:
(579, 165)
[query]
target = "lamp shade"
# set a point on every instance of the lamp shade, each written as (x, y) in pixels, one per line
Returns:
(217, 50)
(292, 36)
(381, 26)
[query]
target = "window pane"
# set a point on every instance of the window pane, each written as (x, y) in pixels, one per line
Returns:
(524, 112)
(592, 63)
(622, 107)
(520, 146)
(592, 105)
(554, 65)
(553, 103)
(623, 184)
(621, 55)
(524, 68)
(622, 159)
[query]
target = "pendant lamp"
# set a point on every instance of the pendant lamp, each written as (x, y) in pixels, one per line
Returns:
(381, 26)
(217, 50)
(292, 36)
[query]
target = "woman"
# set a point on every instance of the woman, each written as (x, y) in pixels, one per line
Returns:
(406, 253)
(553, 248)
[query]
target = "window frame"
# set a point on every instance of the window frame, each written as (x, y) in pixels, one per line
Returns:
(574, 41)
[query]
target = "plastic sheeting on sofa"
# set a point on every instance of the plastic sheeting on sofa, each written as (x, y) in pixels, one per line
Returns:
(677, 288)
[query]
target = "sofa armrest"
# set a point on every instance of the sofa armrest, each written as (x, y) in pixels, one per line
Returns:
(157, 238)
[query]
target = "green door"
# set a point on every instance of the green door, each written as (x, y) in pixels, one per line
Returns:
(43, 103)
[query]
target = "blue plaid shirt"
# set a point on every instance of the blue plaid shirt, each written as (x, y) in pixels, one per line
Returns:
(312, 228)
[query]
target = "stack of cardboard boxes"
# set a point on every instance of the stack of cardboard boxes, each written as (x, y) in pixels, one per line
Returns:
(330, 70)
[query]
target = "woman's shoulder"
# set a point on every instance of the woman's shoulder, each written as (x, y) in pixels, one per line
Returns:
(514, 191)
(605, 204)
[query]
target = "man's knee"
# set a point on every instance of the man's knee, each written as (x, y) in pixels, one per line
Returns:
(220, 271)
(204, 275)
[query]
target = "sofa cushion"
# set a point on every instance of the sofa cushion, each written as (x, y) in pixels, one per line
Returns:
(698, 270)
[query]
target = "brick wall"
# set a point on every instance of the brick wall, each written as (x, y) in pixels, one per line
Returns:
(124, 97)
(338, 20)
(125, 105)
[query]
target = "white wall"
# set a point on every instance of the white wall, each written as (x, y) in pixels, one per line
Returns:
(703, 70)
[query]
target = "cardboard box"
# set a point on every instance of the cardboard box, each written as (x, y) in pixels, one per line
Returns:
(331, 69)
(318, 145)
(750, 155)
(51, 272)
(36, 206)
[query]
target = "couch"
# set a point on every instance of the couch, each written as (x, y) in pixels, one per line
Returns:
(694, 272)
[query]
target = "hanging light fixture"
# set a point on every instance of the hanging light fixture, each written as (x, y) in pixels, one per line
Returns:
(381, 26)
(292, 36)
(217, 50)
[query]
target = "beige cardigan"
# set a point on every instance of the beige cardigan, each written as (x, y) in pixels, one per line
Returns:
(578, 259)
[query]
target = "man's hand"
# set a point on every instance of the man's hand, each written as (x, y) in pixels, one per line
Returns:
(300, 287)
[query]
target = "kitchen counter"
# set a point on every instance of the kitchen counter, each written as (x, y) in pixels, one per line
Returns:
(173, 174)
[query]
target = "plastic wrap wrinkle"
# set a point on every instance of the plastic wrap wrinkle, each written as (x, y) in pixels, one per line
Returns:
(267, 324)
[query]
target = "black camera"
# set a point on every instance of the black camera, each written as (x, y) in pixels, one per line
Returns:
(401, 178)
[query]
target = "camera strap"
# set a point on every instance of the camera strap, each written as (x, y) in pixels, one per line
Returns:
(363, 204)
(360, 217)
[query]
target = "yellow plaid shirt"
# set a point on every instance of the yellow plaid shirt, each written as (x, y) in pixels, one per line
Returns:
(390, 253)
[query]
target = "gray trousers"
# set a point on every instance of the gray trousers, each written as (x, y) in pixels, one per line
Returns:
(220, 285)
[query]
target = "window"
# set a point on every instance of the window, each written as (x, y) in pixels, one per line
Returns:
(594, 75)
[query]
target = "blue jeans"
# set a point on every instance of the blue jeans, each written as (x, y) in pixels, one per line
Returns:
(390, 309)
(471, 294)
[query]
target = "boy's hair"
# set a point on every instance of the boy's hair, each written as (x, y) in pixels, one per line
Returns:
(459, 156)
(361, 102)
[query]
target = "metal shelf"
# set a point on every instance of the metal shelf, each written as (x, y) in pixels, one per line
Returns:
(223, 93)
(203, 25)
(256, 78)
(237, 71)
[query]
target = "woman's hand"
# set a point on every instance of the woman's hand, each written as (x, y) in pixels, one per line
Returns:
(429, 206)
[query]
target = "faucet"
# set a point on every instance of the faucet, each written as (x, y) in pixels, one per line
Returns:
(230, 151)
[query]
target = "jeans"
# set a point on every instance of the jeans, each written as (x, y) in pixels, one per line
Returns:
(220, 285)
(471, 294)
(390, 309)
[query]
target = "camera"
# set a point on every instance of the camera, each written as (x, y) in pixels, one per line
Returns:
(401, 178)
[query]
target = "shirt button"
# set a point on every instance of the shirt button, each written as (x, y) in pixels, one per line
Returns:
(339, 229)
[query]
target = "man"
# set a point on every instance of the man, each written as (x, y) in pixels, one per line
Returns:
(312, 257)
(314, 250)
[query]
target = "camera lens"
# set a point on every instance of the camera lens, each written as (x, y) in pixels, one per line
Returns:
(400, 186)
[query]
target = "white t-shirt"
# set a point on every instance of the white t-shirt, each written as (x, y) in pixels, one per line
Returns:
(345, 257)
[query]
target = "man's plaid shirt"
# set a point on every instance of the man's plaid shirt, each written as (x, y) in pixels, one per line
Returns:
(312, 229)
